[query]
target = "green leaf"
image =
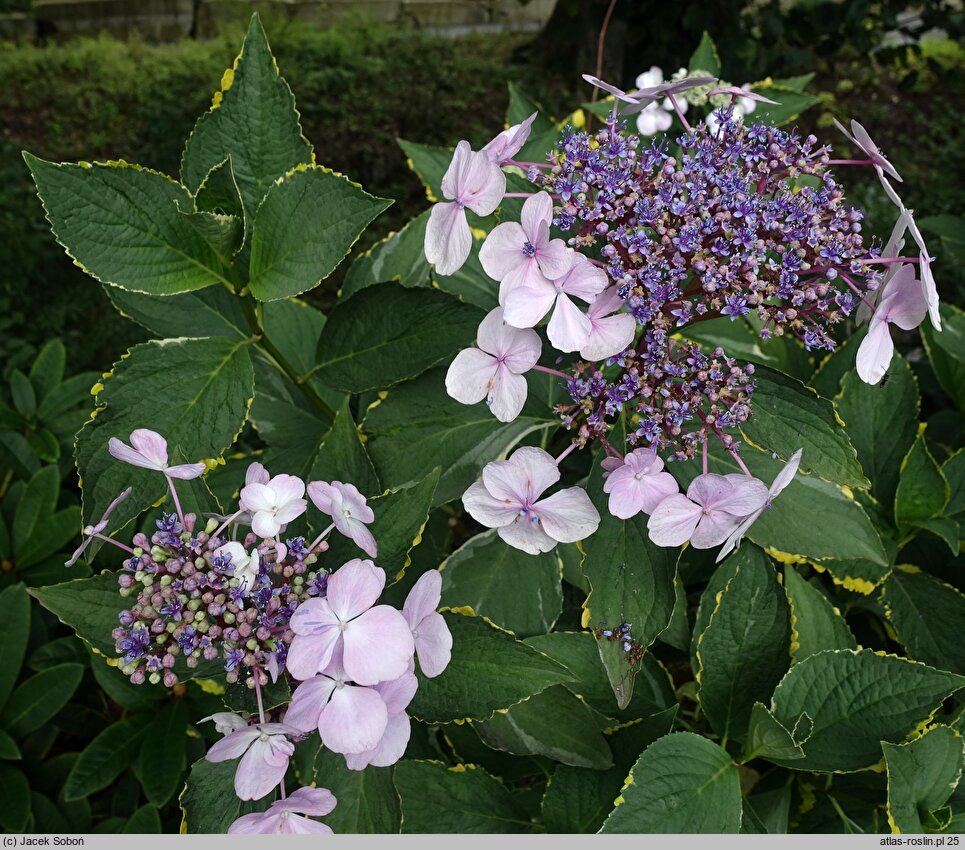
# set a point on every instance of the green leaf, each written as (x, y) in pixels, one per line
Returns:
(45, 445)
(253, 121)
(831, 371)
(307, 223)
(219, 192)
(767, 737)
(8, 748)
(489, 671)
(89, 606)
(15, 811)
(578, 799)
(922, 491)
(882, 423)
(239, 698)
(15, 453)
(224, 233)
(927, 615)
(163, 756)
(790, 104)
(705, 57)
(429, 164)
(653, 690)
(39, 698)
(856, 700)
(789, 416)
(949, 530)
(387, 333)
(14, 634)
(553, 723)
(744, 651)
(51, 536)
(681, 783)
(103, 759)
(121, 223)
(47, 370)
(71, 394)
(946, 351)
(367, 799)
(343, 456)
(208, 802)
(457, 800)
(922, 775)
(399, 257)
(631, 581)
(208, 312)
(518, 592)
(37, 503)
(119, 688)
(816, 624)
(206, 385)
(418, 425)
(145, 821)
(954, 471)
(400, 518)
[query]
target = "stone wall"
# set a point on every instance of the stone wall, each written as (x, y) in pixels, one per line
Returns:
(167, 20)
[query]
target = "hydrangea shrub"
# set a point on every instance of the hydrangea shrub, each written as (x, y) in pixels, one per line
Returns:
(601, 482)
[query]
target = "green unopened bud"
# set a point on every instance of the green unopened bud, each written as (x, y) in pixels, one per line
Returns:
(310, 559)
(194, 604)
(199, 616)
(154, 678)
(200, 564)
(161, 639)
(229, 618)
(203, 626)
(139, 575)
(128, 669)
(124, 591)
(138, 551)
(166, 579)
(251, 644)
(211, 526)
(157, 553)
(147, 581)
(170, 627)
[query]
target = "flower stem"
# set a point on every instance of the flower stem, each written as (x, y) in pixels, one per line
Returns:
(225, 524)
(705, 456)
(256, 675)
(320, 537)
(538, 368)
(601, 43)
(177, 502)
(610, 448)
(680, 115)
(565, 453)
(849, 162)
(114, 542)
(740, 462)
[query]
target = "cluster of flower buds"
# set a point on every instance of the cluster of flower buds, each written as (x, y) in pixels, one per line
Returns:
(267, 608)
(737, 220)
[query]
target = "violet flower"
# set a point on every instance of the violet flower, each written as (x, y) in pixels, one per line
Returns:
(472, 180)
(149, 450)
(349, 511)
(509, 143)
(433, 641)
(495, 369)
(274, 504)
(396, 695)
(506, 499)
(264, 750)
(637, 483)
(285, 817)
(610, 330)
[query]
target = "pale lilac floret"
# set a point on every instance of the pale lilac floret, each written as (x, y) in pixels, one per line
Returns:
(391, 746)
(742, 92)
(711, 510)
(149, 450)
(862, 139)
(244, 566)
(610, 331)
(507, 499)
(349, 511)
(375, 642)
(638, 483)
(286, 817)
(226, 722)
(274, 504)
(903, 303)
(495, 370)
(509, 143)
(264, 750)
(925, 274)
(517, 253)
(433, 642)
(569, 328)
(472, 181)
(781, 480)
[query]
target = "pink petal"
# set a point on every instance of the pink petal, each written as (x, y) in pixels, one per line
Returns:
(257, 497)
(630, 495)
(875, 352)
(523, 350)
(509, 143)
(646, 461)
(256, 474)
(609, 336)
(152, 445)
(265, 524)
(391, 748)
(353, 499)
(713, 529)
(424, 598)
(308, 654)
(257, 775)
(448, 239)
(359, 534)
(903, 303)
(537, 211)
(322, 493)
(569, 328)
(786, 475)
(527, 535)
(433, 645)
(527, 473)
(291, 824)
(456, 173)
(486, 509)
(125, 453)
(398, 693)
(568, 516)
(584, 280)
(354, 720)
(377, 646)
(233, 745)
(470, 375)
(508, 395)
(527, 273)
(185, 471)
(503, 250)
(747, 495)
(526, 304)
(316, 802)
(354, 587)
(673, 521)
(312, 617)
(308, 700)
(484, 186)
(287, 488)
(257, 823)
(291, 510)
(555, 258)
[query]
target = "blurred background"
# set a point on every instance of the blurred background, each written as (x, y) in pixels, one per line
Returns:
(126, 79)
